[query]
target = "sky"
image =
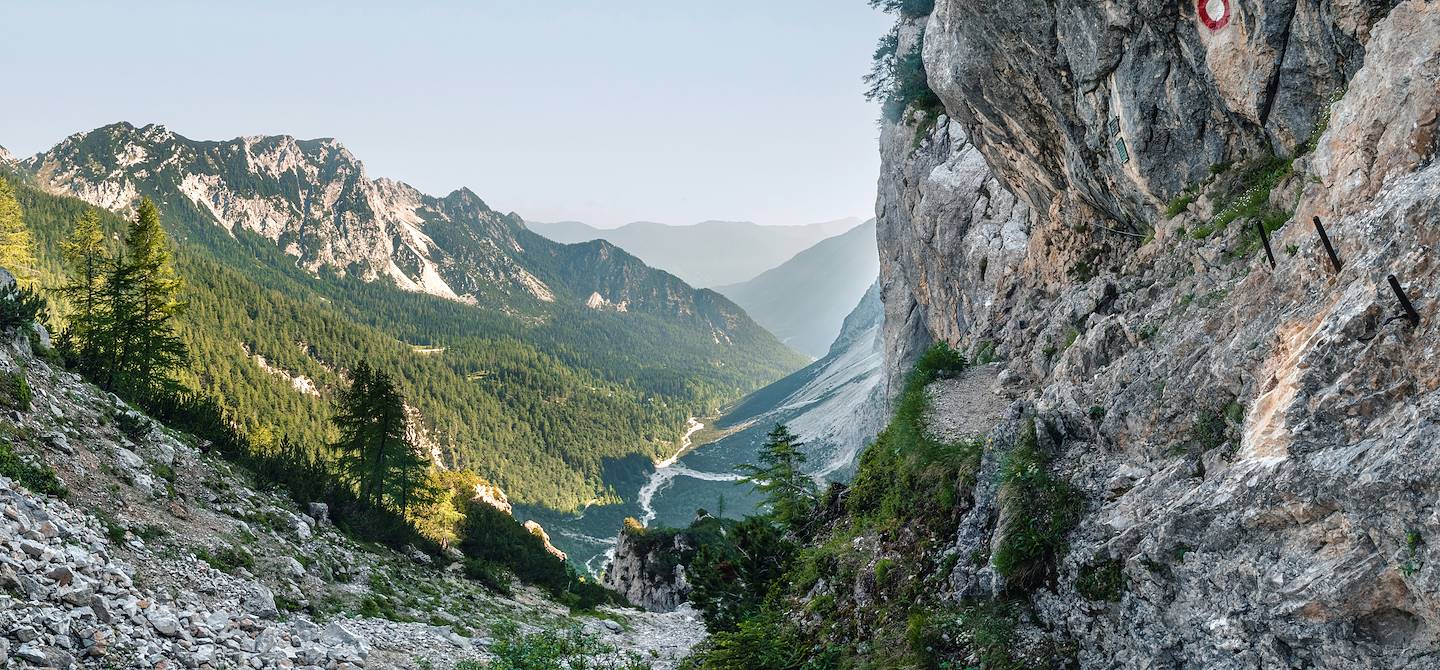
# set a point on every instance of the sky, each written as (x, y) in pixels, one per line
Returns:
(603, 111)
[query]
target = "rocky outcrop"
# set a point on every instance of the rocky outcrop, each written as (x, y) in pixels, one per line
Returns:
(648, 570)
(1119, 107)
(539, 531)
(1252, 444)
(951, 237)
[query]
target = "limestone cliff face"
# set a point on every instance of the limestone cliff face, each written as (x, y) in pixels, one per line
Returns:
(646, 569)
(1255, 446)
(951, 240)
(1093, 117)
(1119, 106)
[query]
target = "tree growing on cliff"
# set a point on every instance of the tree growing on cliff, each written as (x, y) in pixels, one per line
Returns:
(789, 492)
(905, 8)
(898, 80)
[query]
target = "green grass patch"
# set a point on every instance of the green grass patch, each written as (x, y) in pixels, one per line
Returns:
(1247, 193)
(882, 570)
(31, 474)
(1103, 581)
(15, 391)
(985, 629)
(571, 649)
(907, 474)
(1182, 202)
(226, 558)
(1040, 510)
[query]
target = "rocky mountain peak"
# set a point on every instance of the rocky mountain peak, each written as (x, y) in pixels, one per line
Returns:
(312, 198)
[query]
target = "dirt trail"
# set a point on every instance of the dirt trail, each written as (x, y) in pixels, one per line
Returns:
(968, 405)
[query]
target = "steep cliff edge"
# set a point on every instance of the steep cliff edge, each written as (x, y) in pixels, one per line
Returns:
(1249, 448)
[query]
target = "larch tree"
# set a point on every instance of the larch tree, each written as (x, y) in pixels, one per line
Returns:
(86, 260)
(17, 247)
(376, 455)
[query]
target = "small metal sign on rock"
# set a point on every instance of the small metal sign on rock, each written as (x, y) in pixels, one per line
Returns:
(1215, 14)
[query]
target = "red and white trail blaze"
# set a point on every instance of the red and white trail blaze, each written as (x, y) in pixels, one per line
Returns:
(1215, 14)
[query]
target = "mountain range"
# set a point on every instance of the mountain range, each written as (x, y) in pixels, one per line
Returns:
(804, 300)
(531, 361)
(706, 254)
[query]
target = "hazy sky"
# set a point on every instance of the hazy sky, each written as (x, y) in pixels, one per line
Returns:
(604, 111)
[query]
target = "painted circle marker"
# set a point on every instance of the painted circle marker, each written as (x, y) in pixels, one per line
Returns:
(1215, 14)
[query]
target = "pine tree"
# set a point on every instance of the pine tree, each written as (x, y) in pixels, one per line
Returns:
(17, 248)
(788, 490)
(376, 455)
(352, 419)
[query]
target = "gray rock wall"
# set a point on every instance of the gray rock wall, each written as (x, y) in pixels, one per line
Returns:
(640, 571)
(1048, 90)
(1255, 446)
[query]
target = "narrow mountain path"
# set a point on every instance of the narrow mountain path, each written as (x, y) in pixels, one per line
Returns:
(968, 405)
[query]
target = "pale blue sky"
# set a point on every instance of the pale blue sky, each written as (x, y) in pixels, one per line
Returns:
(601, 111)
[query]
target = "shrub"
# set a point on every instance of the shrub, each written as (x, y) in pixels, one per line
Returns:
(732, 575)
(15, 391)
(226, 558)
(570, 649)
(131, 424)
(985, 353)
(940, 360)
(36, 477)
(1215, 428)
(490, 575)
(20, 307)
(113, 529)
(763, 642)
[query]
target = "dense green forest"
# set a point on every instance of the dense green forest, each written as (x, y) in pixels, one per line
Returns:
(536, 402)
